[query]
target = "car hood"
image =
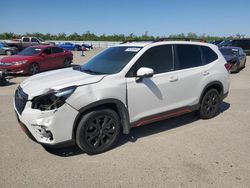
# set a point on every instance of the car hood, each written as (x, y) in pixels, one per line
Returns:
(14, 58)
(58, 79)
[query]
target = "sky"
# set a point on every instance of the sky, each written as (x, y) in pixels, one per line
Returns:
(156, 17)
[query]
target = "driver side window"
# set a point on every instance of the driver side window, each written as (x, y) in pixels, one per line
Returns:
(159, 58)
(47, 51)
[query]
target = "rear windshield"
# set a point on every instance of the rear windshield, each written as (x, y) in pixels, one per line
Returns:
(229, 51)
(110, 61)
(30, 51)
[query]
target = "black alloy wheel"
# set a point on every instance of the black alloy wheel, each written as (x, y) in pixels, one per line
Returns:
(210, 104)
(98, 131)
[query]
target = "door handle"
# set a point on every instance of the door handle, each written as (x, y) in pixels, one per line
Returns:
(173, 79)
(205, 73)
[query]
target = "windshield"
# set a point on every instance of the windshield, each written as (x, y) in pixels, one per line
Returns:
(224, 43)
(30, 51)
(110, 61)
(229, 51)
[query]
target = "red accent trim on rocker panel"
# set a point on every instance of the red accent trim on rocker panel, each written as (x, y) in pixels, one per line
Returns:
(165, 116)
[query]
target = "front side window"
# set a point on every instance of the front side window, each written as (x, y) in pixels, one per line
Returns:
(34, 40)
(159, 58)
(47, 51)
(188, 56)
(110, 61)
(30, 51)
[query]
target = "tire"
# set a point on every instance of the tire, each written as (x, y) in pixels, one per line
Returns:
(34, 69)
(67, 62)
(76, 49)
(210, 104)
(8, 52)
(244, 65)
(95, 136)
(237, 67)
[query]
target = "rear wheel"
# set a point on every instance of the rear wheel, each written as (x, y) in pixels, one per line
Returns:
(210, 104)
(67, 62)
(34, 69)
(98, 131)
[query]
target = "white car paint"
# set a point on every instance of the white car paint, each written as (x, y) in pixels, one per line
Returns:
(160, 93)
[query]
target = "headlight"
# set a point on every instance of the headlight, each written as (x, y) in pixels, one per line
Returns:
(20, 62)
(53, 99)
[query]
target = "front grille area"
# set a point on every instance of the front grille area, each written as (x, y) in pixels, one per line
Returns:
(20, 100)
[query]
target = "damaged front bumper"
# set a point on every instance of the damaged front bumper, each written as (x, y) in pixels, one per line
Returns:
(52, 127)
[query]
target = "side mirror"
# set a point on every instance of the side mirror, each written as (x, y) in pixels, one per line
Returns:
(43, 54)
(145, 72)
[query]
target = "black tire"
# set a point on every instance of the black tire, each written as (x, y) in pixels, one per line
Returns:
(210, 104)
(8, 52)
(34, 69)
(98, 131)
(67, 62)
(76, 49)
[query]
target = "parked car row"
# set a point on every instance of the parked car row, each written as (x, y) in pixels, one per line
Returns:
(5, 49)
(75, 47)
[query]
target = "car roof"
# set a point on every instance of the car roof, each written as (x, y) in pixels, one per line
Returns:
(143, 44)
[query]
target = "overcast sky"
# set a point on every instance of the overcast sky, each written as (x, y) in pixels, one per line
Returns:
(157, 17)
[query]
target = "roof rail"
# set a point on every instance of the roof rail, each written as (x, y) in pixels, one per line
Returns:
(136, 40)
(165, 39)
(179, 39)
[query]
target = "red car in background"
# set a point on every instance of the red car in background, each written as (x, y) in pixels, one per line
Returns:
(35, 59)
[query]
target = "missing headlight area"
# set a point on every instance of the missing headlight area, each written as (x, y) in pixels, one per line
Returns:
(52, 100)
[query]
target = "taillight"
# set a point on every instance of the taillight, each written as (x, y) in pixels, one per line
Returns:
(228, 66)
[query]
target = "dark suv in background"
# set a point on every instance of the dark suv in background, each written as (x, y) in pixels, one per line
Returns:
(242, 43)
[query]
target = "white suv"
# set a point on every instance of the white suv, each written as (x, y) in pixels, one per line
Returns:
(126, 86)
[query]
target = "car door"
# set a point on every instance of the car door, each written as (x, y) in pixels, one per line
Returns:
(151, 96)
(57, 57)
(34, 41)
(26, 42)
(190, 73)
(47, 59)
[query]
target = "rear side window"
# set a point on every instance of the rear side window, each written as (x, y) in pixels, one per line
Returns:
(208, 54)
(188, 56)
(56, 50)
(159, 58)
(26, 39)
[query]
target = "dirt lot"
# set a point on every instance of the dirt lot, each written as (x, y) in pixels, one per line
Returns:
(179, 152)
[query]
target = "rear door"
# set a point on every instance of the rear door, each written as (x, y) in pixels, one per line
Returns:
(190, 72)
(57, 57)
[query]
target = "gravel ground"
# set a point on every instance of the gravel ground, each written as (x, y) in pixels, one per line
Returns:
(178, 152)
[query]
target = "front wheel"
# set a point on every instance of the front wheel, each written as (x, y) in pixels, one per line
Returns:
(210, 104)
(34, 69)
(98, 131)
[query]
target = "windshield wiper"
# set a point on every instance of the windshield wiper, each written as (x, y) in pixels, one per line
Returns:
(91, 71)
